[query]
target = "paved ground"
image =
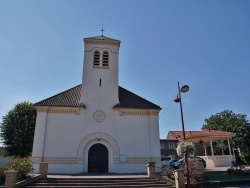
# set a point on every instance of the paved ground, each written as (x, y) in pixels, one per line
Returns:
(241, 186)
(222, 168)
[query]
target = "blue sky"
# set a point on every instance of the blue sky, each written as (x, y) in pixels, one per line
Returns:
(204, 44)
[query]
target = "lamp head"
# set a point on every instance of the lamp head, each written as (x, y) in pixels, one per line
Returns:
(184, 88)
(177, 99)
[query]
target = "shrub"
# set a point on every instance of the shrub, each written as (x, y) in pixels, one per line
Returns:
(236, 169)
(245, 156)
(2, 176)
(230, 171)
(22, 165)
(196, 171)
(168, 171)
(185, 147)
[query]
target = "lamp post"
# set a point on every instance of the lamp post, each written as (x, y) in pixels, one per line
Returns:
(183, 89)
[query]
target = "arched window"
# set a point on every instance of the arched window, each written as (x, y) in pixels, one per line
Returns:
(96, 59)
(105, 59)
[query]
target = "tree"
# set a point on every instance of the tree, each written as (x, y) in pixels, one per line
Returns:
(17, 129)
(227, 120)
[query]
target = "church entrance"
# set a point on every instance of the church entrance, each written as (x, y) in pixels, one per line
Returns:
(98, 158)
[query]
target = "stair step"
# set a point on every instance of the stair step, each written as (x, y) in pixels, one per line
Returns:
(95, 179)
(99, 186)
(97, 183)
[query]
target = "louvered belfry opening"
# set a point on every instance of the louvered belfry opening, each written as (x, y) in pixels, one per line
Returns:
(105, 59)
(96, 59)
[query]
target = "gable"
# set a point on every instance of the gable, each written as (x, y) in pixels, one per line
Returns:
(71, 98)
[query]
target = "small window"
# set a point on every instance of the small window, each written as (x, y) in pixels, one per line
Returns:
(105, 59)
(96, 59)
(171, 145)
(162, 146)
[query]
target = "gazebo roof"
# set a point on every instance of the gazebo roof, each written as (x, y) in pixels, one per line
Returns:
(206, 134)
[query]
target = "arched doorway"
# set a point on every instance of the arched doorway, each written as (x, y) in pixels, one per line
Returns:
(98, 158)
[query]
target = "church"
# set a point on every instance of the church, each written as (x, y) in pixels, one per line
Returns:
(97, 126)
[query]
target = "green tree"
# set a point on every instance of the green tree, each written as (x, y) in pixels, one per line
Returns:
(17, 129)
(227, 120)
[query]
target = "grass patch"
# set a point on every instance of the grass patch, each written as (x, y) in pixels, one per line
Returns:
(223, 176)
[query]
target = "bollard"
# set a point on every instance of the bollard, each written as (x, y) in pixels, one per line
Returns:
(11, 178)
(151, 169)
(179, 178)
(43, 170)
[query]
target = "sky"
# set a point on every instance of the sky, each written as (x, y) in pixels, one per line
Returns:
(202, 44)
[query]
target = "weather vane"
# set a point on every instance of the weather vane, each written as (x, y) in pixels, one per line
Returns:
(102, 30)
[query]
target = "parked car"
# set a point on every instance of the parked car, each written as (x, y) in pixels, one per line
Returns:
(164, 160)
(172, 162)
(182, 161)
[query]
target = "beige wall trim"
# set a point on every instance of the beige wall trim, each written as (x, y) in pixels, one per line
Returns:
(36, 159)
(141, 112)
(55, 160)
(141, 160)
(75, 160)
(61, 110)
(96, 41)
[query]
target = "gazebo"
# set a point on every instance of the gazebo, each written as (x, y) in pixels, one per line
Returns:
(206, 138)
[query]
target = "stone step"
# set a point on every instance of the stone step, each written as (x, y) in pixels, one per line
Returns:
(95, 183)
(101, 180)
(99, 186)
(102, 186)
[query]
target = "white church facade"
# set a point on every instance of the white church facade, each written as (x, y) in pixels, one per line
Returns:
(97, 126)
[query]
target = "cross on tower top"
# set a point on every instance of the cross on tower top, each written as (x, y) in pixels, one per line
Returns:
(102, 30)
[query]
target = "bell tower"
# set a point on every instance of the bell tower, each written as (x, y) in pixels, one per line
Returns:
(100, 72)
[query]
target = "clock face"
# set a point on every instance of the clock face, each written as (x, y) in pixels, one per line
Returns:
(99, 116)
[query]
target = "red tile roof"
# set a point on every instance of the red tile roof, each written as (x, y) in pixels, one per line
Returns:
(179, 134)
(195, 136)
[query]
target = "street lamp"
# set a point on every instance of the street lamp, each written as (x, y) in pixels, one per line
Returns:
(183, 89)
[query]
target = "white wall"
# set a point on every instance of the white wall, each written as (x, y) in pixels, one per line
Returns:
(135, 136)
